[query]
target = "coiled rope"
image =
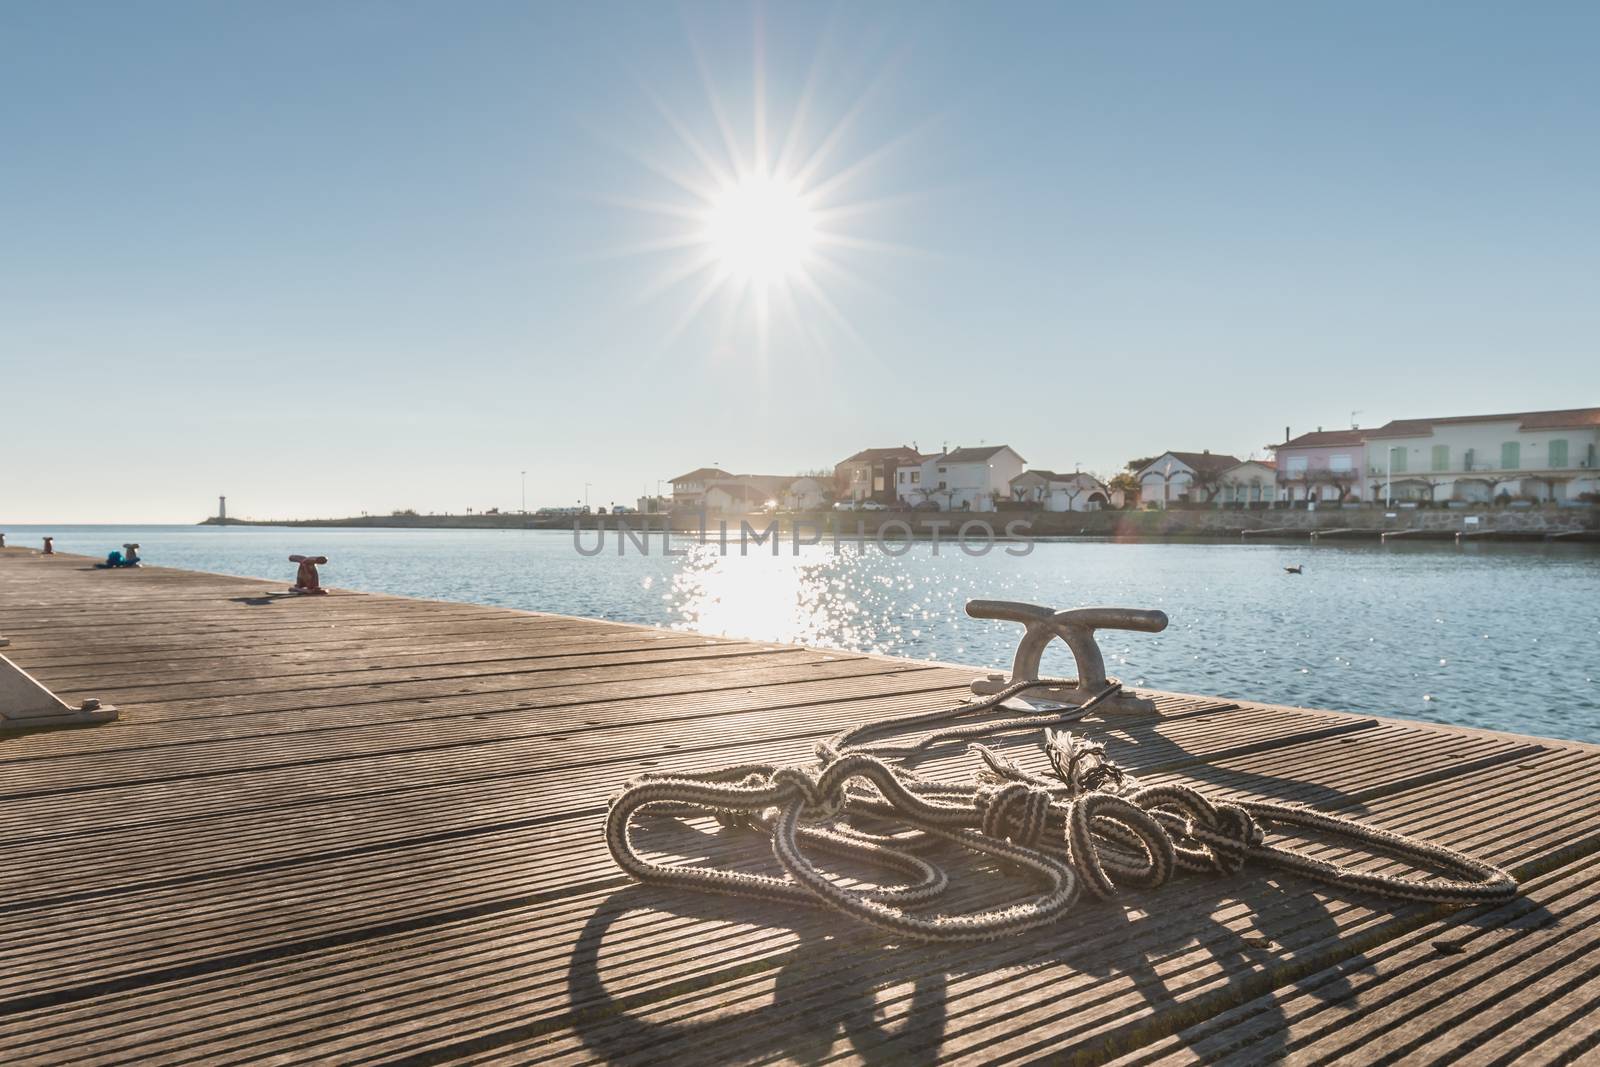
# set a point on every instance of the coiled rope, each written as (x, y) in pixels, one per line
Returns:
(1093, 827)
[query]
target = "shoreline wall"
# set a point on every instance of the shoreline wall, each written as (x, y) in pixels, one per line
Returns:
(1209, 523)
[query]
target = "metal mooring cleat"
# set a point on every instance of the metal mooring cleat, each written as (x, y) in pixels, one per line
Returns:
(1075, 626)
(306, 580)
(25, 702)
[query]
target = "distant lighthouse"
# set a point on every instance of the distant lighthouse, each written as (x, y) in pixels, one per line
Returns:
(222, 509)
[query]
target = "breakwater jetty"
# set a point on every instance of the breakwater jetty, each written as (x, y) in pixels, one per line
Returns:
(361, 828)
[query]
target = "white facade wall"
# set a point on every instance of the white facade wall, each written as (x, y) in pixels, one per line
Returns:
(1074, 498)
(908, 485)
(959, 486)
(803, 494)
(966, 486)
(1249, 483)
(1071, 493)
(1473, 463)
(1155, 486)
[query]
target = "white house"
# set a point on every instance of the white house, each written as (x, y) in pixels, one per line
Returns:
(751, 493)
(1254, 481)
(689, 490)
(735, 498)
(1534, 455)
(1060, 492)
(1183, 476)
(966, 479)
(803, 494)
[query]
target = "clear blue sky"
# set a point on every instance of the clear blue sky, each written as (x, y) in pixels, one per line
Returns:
(332, 257)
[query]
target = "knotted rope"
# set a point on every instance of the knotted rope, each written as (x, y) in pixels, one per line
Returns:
(1093, 827)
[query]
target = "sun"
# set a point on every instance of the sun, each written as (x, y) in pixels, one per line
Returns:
(760, 229)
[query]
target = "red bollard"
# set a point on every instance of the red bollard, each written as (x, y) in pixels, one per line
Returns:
(49, 548)
(306, 580)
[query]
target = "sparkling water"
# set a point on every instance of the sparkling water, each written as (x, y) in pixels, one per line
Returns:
(1502, 636)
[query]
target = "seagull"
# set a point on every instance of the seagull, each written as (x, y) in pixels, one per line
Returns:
(1296, 569)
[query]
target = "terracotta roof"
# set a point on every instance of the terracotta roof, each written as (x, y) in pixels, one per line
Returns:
(1567, 418)
(1571, 418)
(976, 455)
(873, 455)
(701, 475)
(1325, 439)
(1055, 476)
(1203, 462)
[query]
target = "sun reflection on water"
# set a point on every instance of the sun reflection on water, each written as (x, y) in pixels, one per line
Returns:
(792, 599)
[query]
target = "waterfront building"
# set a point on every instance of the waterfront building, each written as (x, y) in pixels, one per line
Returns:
(1325, 465)
(1532, 456)
(1060, 492)
(735, 498)
(870, 473)
(1183, 477)
(965, 479)
(804, 494)
(689, 490)
(1252, 483)
(739, 494)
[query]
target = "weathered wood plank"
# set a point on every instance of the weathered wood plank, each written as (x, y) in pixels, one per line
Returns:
(365, 828)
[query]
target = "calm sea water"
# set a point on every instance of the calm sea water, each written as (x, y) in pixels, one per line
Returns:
(1498, 636)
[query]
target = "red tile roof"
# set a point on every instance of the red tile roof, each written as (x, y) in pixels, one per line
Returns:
(1055, 476)
(1325, 439)
(976, 455)
(702, 475)
(873, 455)
(1204, 462)
(1567, 418)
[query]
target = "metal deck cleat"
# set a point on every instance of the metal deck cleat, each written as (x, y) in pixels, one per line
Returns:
(1076, 627)
(306, 580)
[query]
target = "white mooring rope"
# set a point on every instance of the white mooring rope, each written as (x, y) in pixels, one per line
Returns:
(1092, 827)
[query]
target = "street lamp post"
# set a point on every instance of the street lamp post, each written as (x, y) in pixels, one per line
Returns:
(586, 486)
(524, 492)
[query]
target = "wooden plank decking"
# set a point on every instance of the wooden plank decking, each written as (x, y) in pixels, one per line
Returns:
(362, 828)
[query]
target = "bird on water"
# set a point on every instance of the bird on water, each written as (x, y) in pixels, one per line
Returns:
(1296, 569)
